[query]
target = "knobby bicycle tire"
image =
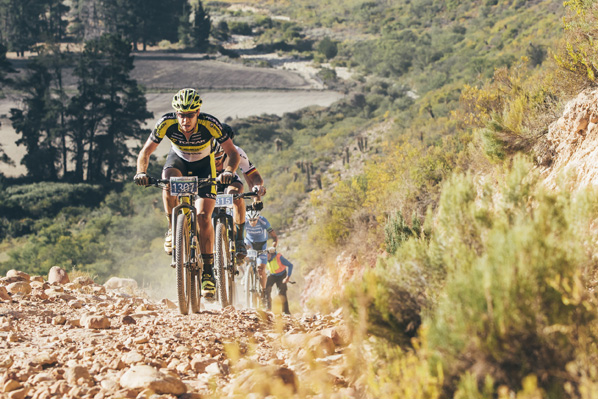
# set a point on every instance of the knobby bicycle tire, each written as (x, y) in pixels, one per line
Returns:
(195, 292)
(229, 271)
(182, 254)
(220, 264)
(253, 288)
(247, 285)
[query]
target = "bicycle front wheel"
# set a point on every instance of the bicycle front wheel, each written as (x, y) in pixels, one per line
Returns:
(253, 289)
(220, 264)
(182, 258)
(195, 292)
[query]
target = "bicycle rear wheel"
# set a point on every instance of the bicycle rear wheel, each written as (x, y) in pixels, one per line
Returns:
(220, 263)
(182, 257)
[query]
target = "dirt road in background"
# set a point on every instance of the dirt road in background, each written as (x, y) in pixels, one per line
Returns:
(228, 90)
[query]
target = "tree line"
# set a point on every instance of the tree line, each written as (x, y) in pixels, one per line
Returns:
(24, 24)
(82, 136)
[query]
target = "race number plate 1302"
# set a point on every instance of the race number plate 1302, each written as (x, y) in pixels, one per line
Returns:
(183, 185)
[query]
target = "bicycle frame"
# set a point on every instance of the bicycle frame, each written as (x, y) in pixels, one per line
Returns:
(253, 285)
(186, 205)
(225, 251)
(186, 253)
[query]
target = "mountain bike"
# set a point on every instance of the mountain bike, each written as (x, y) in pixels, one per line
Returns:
(186, 254)
(252, 281)
(224, 247)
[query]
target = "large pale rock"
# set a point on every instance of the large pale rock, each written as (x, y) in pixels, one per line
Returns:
(78, 375)
(115, 283)
(18, 274)
(95, 322)
(132, 357)
(19, 287)
(147, 377)
(44, 359)
(58, 275)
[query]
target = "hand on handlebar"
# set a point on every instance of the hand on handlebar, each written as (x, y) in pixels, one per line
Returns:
(141, 179)
(226, 177)
(259, 190)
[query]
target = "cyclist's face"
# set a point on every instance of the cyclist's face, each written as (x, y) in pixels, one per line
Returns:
(187, 121)
(252, 222)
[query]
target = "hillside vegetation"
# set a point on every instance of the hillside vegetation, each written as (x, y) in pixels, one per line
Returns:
(484, 286)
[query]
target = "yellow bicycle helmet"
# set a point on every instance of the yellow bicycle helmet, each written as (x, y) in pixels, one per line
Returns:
(186, 100)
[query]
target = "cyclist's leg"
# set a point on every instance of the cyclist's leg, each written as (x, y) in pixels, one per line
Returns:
(174, 166)
(261, 269)
(236, 187)
(282, 292)
(205, 206)
(268, 291)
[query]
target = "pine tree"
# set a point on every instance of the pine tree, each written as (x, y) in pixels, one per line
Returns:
(35, 123)
(108, 110)
(201, 28)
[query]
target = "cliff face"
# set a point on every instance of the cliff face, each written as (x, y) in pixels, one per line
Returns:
(571, 145)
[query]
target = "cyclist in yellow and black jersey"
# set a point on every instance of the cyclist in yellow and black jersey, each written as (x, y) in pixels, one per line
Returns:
(195, 147)
(193, 136)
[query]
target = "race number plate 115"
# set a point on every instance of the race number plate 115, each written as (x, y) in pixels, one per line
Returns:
(224, 201)
(183, 185)
(252, 253)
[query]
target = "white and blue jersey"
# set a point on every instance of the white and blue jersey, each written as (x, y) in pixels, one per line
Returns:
(258, 234)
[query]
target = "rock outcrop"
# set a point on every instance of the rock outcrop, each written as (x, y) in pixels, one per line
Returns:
(571, 144)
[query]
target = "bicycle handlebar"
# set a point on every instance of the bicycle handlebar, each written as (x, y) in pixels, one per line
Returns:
(163, 183)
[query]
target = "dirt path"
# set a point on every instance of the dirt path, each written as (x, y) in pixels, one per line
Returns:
(82, 340)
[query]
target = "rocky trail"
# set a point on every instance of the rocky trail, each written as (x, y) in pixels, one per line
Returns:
(83, 340)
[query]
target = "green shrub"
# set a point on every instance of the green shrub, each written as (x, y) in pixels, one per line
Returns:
(47, 199)
(397, 231)
(517, 269)
(328, 48)
(580, 55)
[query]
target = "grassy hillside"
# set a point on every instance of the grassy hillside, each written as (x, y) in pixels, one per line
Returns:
(484, 287)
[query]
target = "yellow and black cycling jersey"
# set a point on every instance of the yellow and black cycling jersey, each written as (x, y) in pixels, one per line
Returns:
(199, 144)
